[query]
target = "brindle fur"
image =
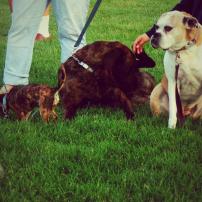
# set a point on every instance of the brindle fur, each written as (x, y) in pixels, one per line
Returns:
(23, 99)
(115, 80)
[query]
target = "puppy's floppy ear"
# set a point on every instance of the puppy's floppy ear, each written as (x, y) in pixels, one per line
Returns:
(143, 60)
(190, 22)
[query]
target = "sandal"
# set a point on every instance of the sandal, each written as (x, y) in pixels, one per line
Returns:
(5, 89)
(3, 100)
(3, 106)
(41, 37)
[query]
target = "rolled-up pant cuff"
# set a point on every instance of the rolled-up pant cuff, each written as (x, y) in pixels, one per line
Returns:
(12, 79)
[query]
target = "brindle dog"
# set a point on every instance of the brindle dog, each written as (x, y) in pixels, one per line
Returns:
(23, 99)
(110, 77)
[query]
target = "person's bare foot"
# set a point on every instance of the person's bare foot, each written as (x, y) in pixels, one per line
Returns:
(5, 89)
(41, 37)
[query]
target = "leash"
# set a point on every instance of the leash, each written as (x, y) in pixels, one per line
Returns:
(78, 42)
(180, 114)
(90, 18)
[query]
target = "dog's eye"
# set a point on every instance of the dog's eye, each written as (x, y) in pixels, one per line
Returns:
(167, 28)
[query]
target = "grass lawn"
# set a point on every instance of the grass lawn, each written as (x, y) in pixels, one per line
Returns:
(99, 156)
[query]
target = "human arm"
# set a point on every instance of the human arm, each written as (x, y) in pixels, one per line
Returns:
(141, 40)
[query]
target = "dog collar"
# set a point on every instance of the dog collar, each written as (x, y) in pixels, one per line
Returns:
(189, 44)
(83, 64)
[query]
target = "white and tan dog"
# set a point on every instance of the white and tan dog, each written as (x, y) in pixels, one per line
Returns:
(180, 35)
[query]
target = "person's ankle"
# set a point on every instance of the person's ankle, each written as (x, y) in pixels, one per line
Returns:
(5, 88)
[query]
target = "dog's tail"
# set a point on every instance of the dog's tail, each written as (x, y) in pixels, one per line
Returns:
(61, 81)
(61, 77)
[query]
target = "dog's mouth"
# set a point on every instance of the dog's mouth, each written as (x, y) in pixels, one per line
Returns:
(155, 44)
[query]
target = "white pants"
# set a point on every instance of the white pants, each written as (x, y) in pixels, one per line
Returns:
(26, 17)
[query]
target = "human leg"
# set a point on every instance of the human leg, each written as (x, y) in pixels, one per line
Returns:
(71, 18)
(26, 17)
(43, 31)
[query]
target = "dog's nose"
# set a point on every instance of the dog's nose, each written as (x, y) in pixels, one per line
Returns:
(155, 40)
(157, 35)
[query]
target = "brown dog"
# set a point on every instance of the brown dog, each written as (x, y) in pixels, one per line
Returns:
(23, 99)
(105, 73)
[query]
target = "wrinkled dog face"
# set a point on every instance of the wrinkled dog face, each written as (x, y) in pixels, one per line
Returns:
(174, 30)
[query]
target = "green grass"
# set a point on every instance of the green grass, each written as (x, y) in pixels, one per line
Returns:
(99, 156)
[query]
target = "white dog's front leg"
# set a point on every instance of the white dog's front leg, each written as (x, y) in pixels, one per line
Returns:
(169, 65)
(172, 104)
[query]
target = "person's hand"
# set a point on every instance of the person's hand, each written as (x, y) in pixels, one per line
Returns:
(140, 42)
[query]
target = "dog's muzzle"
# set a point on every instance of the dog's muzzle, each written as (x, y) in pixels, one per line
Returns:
(155, 39)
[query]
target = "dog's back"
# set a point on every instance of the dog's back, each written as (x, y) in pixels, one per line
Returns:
(113, 71)
(110, 61)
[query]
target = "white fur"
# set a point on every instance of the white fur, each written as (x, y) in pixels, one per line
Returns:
(169, 40)
(169, 66)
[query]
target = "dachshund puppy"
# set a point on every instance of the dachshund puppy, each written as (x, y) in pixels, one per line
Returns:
(24, 98)
(105, 73)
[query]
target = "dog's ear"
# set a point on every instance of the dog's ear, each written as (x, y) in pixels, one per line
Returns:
(143, 60)
(190, 22)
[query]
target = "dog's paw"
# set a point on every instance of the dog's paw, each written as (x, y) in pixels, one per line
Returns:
(172, 126)
(130, 116)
